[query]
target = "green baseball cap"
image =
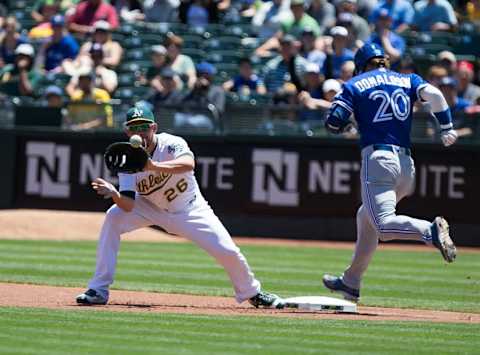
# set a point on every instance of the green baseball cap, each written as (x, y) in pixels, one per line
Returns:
(139, 114)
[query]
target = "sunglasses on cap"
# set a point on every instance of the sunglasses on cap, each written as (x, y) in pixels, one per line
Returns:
(144, 127)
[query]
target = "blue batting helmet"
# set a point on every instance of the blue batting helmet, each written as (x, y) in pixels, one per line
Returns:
(364, 54)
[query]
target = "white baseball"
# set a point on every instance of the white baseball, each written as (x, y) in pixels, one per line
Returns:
(136, 141)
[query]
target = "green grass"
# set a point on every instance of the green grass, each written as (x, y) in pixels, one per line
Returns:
(395, 278)
(40, 331)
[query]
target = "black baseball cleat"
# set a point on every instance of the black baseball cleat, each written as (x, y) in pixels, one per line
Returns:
(441, 239)
(90, 297)
(266, 300)
(336, 284)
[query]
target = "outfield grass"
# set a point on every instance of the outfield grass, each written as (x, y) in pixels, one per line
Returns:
(40, 331)
(395, 278)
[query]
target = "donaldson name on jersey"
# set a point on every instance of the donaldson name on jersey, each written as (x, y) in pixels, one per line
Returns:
(382, 102)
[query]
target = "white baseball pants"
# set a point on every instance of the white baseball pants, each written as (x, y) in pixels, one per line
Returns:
(386, 178)
(198, 224)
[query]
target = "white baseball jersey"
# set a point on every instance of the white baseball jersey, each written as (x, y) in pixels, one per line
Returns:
(169, 192)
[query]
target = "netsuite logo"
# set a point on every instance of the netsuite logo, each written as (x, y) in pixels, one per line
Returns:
(48, 168)
(275, 177)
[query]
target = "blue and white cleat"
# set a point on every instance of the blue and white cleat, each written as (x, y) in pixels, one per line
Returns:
(335, 284)
(441, 239)
(90, 297)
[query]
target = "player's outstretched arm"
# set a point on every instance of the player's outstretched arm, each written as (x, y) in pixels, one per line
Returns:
(441, 111)
(180, 165)
(107, 190)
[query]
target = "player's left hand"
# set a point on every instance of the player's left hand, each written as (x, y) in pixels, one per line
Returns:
(104, 188)
(448, 137)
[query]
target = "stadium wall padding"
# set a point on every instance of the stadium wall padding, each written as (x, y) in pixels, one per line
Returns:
(304, 188)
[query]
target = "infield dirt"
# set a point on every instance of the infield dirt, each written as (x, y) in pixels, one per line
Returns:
(61, 225)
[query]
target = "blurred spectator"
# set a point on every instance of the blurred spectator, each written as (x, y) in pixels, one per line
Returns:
(347, 12)
(10, 38)
(323, 12)
(447, 60)
(20, 78)
(268, 18)
(300, 21)
(182, 64)
(347, 71)
(401, 12)
(88, 12)
(246, 81)
(292, 26)
(167, 93)
(161, 10)
(392, 43)
(435, 74)
(158, 63)
(204, 96)
(330, 88)
(105, 78)
(308, 49)
(458, 105)
(198, 12)
(434, 15)
(287, 67)
(128, 10)
(44, 10)
(53, 96)
(60, 47)
(407, 66)
(337, 54)
(466, 89)
(448, 86)
(94, 110)
(112, 50)
(204, 91)
(43, 29)
(473, 11)
(312, 97)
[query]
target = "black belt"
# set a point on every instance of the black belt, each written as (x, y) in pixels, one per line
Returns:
(392, 148)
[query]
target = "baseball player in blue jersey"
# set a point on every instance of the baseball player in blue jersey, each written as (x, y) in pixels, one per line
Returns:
(381, 101)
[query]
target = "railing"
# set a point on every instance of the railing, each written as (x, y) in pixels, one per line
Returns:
(238, 119)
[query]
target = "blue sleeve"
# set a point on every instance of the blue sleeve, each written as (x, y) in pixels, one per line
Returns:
(417, 84)
(73, 48)
(342, 108)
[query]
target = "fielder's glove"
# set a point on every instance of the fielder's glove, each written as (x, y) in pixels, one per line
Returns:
(122, 157)
(448, 137)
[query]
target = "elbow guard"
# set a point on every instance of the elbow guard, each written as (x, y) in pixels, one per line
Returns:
(337, 119)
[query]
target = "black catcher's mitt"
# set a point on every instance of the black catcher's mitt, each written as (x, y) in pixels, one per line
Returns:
(122, 157)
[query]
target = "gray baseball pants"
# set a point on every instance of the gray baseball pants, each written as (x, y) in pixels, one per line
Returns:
(386, 178)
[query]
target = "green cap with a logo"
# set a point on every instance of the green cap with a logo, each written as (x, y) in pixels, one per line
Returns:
(139, 114)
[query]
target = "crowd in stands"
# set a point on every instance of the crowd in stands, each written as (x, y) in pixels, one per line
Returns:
(291, 53)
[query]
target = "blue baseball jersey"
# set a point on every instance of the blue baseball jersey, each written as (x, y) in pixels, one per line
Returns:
(382, 102)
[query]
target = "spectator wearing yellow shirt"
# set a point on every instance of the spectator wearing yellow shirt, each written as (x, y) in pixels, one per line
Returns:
(473, 10)
(90, 106)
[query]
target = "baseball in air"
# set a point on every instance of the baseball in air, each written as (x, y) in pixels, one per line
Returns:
(136, 141)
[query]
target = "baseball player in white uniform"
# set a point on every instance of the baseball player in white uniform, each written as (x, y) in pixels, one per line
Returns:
(166, 194)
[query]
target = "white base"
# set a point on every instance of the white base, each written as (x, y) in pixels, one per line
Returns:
(320, 303)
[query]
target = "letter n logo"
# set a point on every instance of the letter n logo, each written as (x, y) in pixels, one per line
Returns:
(275, 177)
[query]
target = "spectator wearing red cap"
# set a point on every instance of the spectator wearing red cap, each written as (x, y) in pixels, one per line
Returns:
(466, 89)
(90, 11)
